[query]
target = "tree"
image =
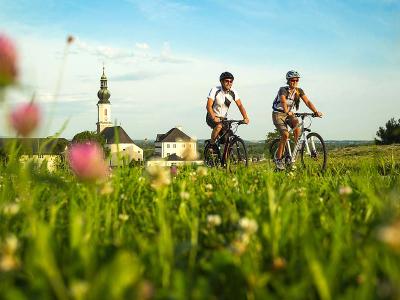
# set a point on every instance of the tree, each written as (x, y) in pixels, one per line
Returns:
(272, 136)
(390, 134)
(91, 136)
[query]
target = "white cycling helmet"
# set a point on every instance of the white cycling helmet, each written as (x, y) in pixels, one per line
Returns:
(292, 74)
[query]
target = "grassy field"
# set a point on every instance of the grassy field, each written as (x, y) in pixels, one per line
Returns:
(206, 234)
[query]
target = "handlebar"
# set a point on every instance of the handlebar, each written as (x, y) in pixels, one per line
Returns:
(302, 115)
(230, 122)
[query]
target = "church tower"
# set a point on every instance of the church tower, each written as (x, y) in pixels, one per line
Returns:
(103, 105)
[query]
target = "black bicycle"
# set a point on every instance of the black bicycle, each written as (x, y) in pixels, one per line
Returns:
(234, 152)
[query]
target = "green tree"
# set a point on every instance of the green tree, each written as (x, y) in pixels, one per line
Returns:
(390, 134)
(272, 136)
(91, 136)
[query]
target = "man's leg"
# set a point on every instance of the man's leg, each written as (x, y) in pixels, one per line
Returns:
(282, 143)
(215, 132)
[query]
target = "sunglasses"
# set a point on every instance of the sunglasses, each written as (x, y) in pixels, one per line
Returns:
(294, 80)
(228, 80)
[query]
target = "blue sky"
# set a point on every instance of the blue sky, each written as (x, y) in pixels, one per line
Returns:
(162, 57)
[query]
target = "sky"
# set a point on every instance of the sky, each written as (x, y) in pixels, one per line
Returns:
(162, 58)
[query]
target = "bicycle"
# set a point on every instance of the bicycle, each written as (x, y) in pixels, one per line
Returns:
(311, 146)
(234, 153)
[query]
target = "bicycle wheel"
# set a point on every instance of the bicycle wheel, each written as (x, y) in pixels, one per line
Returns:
(212, 155)
(313, 153)
(237, 155)
(273, 150)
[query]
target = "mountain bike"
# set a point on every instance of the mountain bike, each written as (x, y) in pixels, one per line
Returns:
(311, 147)
(234, 153)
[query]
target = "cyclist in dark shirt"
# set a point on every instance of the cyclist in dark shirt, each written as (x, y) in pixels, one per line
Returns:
(288, 97)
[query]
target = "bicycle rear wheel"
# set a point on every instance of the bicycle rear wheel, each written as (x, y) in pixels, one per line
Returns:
(212, 155)
(313, 153)
(237, 155)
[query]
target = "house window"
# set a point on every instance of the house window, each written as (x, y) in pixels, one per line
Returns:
(105, 112)
(174, 146)
(184, 145)
(167, 145)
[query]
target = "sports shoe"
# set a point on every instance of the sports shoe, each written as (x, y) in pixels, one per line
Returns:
(279, 164)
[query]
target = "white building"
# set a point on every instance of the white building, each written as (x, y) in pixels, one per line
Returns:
(175, 148)
(121, 146)
(49, 152)
(175, 141)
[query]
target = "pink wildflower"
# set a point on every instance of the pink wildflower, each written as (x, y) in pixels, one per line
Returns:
(174, 171)
(25, 118)
(87, 161)
(8, 61)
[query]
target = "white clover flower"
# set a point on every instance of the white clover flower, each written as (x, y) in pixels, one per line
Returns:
(11, 244)
(202, 171)
(214, 220)
(159, 176)
(107, 189)
(184, 195)
(11, 209)
(248, 225)
(123, 217)
(345, 190)
(235, 182)
(391, 235)
(209, 186)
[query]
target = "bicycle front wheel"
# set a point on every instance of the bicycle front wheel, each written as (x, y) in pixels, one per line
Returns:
(237, 155)
(313, 153)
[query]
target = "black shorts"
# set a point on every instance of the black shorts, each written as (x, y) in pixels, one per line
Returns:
(210, 121)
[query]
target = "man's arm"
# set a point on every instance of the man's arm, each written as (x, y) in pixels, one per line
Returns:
(242, 111)
(210, 110)
(311, 106)
(284, 105)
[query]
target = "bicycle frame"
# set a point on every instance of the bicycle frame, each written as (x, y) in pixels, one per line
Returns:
(228, 135)
(302, 139)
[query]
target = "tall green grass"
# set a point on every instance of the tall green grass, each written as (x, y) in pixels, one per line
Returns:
(315, 236)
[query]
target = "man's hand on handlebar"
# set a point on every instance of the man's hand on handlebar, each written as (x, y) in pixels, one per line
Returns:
(318, 114)
(246, 120)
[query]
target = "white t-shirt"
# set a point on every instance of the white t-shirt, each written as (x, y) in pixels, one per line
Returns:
(222, 100)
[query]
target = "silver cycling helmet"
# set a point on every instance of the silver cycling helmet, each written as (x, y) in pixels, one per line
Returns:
(292, 74)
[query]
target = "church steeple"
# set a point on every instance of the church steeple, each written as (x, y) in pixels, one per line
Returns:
(103, 105)
(103, 94)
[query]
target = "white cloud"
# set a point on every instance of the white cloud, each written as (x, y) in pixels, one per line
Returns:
(142, 46)
(141, 52)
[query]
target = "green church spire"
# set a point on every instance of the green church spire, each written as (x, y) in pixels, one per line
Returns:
(103, 94)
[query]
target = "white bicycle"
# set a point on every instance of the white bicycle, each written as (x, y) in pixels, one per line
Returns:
(310, 145)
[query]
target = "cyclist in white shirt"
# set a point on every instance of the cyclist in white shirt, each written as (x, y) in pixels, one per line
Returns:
(218, 101)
